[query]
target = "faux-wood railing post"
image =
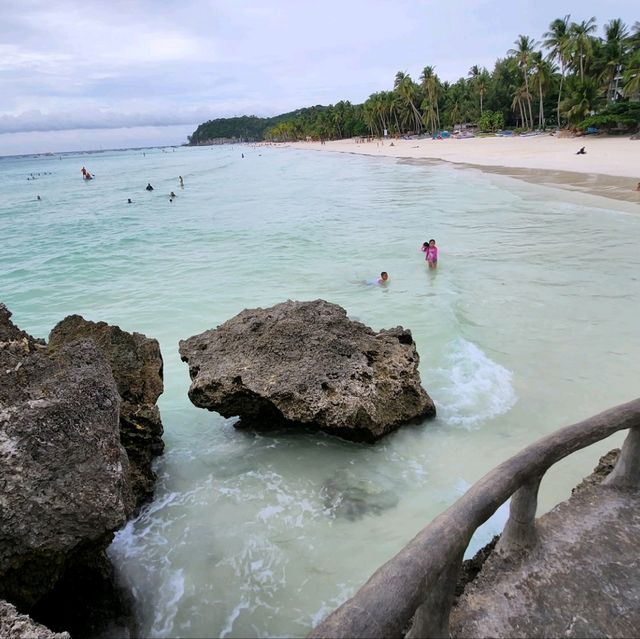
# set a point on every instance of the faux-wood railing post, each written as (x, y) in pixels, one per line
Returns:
(431, 618)
(520, 530)
(627, 471)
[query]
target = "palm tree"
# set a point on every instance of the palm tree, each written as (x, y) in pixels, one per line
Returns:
(581, 41)
(557, 41)
(542, 74)
(480, 80)
(523, 53)
(406, 89)
(615, 50)
(631, 76)
(431, 85)
(583, 98)
(521, 94)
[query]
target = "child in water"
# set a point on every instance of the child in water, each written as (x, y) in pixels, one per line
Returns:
(384, 276)
(431, 251)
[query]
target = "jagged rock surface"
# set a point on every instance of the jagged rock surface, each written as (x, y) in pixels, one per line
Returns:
(307, 363)
(62, 467)
(13, 625)
(136, 363)
(64, 482)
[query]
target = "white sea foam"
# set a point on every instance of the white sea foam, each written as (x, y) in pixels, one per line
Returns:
(167, 605)
(474, 387)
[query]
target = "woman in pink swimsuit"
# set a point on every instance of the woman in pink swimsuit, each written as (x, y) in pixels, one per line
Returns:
(431, 251)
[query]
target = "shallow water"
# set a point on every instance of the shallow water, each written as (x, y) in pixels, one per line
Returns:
(528, 324)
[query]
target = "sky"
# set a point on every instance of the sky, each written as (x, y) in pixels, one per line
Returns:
(112, 73)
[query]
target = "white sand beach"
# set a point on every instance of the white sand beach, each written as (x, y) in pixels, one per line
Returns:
(610, 167)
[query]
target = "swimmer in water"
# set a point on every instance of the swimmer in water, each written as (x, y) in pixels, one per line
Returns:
(129, 201)
(38, 198)
(384, 278)
(149, 187)
(172, 194)
(181, 182)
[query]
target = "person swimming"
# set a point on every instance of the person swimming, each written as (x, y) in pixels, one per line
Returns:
(149, 187)
(129, 201)
(375, 281)
(172, 194)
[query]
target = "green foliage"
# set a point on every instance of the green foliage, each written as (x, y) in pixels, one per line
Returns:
(574, 75)
(624, 115)
(486, 121)
(491, 121)
(248, 128)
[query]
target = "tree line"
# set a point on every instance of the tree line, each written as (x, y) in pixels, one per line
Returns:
(572, 77)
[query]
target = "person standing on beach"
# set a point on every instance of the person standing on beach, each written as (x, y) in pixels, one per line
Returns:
(431, 253)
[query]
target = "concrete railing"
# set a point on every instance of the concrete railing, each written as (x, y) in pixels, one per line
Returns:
(413, 592)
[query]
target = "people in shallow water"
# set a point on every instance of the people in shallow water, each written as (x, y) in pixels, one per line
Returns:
(38, 197)
(85, 174)
(129, 201)
(181, 181)
(149, 187)
(384, 277)
(431, 253)
(172, 194)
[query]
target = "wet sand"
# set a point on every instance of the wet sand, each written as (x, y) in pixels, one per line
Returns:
(610, 168)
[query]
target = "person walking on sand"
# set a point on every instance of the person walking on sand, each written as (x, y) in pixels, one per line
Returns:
(431, 253)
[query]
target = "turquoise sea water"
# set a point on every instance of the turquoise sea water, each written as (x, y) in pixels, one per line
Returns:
(529, 323)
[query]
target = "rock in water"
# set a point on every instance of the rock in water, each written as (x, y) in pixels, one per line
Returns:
(136, 363)
(62, 467)
(307, 363)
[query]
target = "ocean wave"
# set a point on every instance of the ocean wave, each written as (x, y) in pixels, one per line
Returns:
(474, 388)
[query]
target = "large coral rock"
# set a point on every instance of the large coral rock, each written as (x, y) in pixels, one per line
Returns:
(13, 625)
(136, 363)
(307, 363)
(63, 470)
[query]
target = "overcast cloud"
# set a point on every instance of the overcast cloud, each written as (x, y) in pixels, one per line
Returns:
(129, 63)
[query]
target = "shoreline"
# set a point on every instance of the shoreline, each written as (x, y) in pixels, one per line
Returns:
(610, 169)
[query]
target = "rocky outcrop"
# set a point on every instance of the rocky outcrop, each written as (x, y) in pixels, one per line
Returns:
(66, 483)
(307, 364)
(13, 625)
(136, 363)
(62, 467)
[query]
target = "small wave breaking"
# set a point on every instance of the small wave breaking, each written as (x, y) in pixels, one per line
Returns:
(473, 388)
